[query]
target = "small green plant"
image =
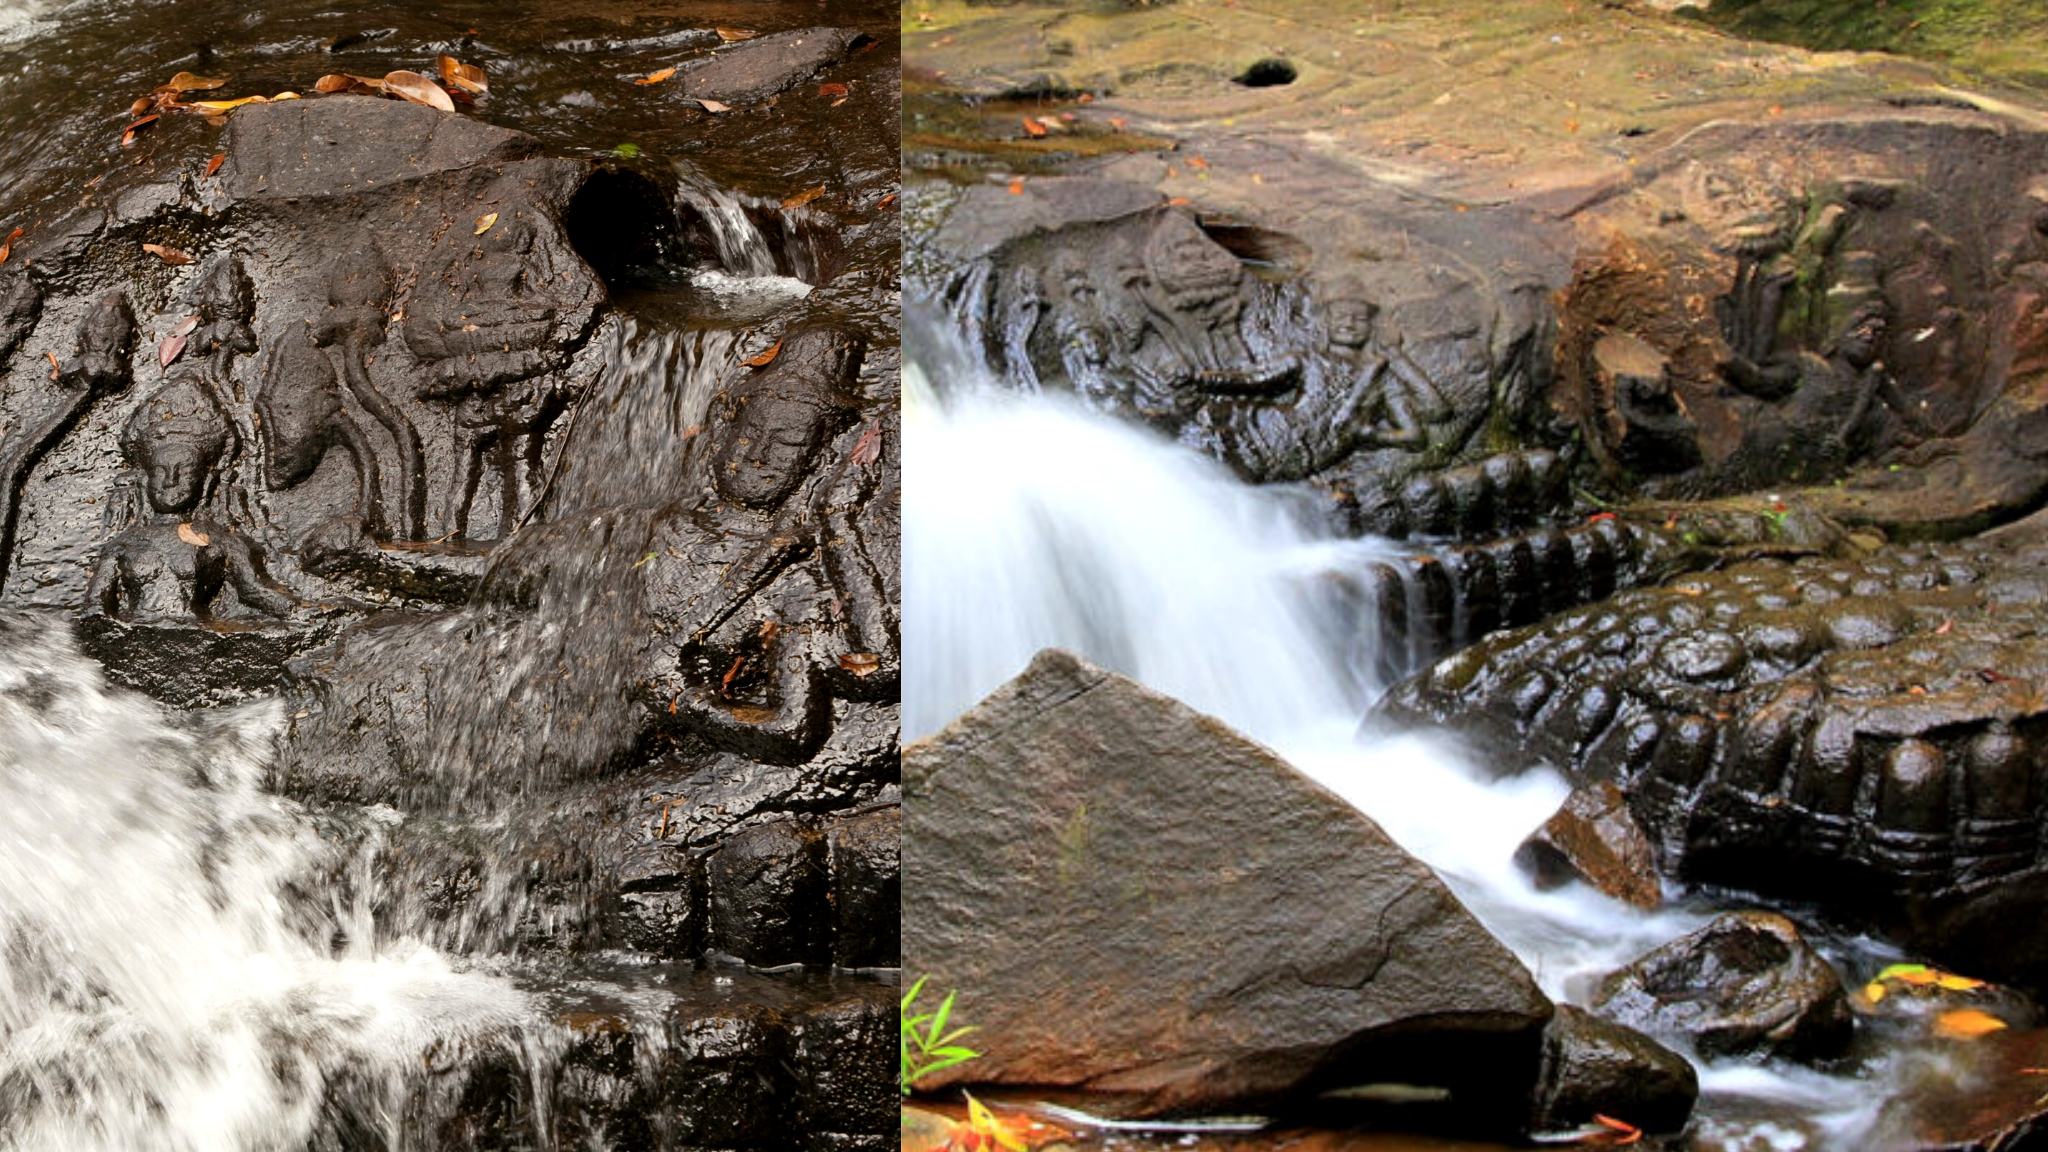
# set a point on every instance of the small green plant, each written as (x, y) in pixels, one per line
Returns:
(927, 1045)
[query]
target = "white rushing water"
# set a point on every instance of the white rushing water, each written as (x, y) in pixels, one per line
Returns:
(160, 991)
(1031, 523)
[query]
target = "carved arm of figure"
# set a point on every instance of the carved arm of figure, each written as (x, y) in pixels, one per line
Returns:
(867, 615)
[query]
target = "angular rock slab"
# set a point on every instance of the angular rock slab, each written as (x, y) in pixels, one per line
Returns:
(1132, 898)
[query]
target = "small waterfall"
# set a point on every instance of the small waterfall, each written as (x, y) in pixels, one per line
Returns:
(1030, 522)
(781, 263)
(167, 984)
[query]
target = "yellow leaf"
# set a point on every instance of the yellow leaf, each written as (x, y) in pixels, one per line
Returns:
(193, 536)
(224, 105)
(1874, 991)
(484, 222)
(1966, 1024)
(804, 197)
(981, 1120)
(1955, 983)
(187, 82)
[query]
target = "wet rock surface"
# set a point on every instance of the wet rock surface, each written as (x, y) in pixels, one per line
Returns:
(1747, 983)
(1249, 990)
(1594, 1067)
(1857, 733)
(1595, 839)
(436, 426)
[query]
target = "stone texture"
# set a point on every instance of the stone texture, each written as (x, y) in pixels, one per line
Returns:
(1747, 983)
(752, 71)
(1595, 839)
(1593, 1067)
(1132, 898)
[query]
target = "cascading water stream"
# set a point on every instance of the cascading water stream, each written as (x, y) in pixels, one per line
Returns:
(163, 985)
(1032, 523)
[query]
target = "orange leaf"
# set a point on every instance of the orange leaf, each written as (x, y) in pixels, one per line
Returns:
(885, 201)
(1197, 162)
(334, 82)
(1967, 1024)
(860, 663)
(193, 536)
(764, 358)
(656, 77)
(1179, 201)
(187, 82)
(167, 255)
(418, 89)
(52, 358)
(1622, 1132)
(214, 164)
(467, 77)
(804, 197)
(832, 90)
(1033, 127)
(736, 33)
(1118, 122)
(7, 245)
(1016, 187)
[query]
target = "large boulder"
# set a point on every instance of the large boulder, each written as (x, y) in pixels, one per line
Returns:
(1132, 898)
(1594, 1067)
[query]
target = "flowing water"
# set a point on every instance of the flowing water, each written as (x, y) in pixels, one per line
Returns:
(1030, 522)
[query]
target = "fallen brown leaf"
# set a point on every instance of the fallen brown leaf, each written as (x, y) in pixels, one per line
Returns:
(736, 33)
(214, 164)
(54, 369)
(656, 77)
(765, 358)
(713, 105)
(169, 350)
(885, 201)
(1033, 127)
(484, 222)
(334, 82)
(1016, 187)
(467, 77)
(838, 102)
(832, 90)
(737, 663)
(167, 255)
(193, 536)
(860, 663)
(418, 89)
(142, 104)
(7, 245)
(804, 197)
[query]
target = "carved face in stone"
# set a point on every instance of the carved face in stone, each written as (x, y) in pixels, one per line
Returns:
(1194, 274)
(177, 439)
(783, 420)
(1348, 318)
(223, 291)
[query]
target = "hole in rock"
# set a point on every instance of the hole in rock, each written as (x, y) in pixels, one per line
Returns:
(620, 222)
(1268, 73)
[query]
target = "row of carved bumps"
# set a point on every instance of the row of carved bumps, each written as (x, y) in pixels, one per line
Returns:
(1419, 606)
(1799, 730)
(1505, 493)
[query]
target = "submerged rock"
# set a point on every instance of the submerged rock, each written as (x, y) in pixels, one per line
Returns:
(1746, 983)
(1133, 899)
(752, 71)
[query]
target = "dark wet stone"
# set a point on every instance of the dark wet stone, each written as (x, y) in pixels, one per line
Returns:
(1595, 839)
(866, 889)
(769, 890)
(751, 71)
(1136, 827)
(1746, 983)
(1593, 1067)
